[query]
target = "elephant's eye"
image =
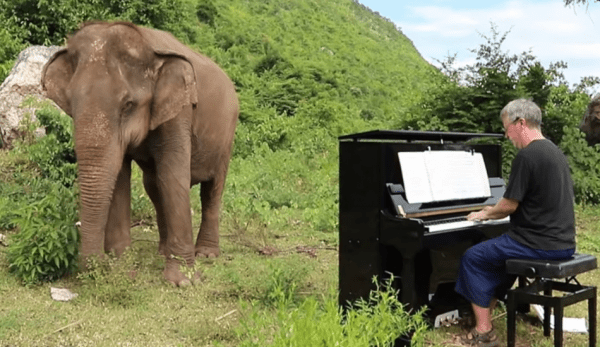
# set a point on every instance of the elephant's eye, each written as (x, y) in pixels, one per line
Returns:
(128, 107)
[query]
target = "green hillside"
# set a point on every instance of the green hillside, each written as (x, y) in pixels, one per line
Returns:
(306, 72)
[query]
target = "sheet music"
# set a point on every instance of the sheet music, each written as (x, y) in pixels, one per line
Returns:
(443, 175)
(416, 177)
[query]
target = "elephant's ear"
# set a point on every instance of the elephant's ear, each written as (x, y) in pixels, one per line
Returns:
(175, 88)
(56, 75)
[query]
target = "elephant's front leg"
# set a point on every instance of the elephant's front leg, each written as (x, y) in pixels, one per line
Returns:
(173, 186)
(179, 247)
(117, 236)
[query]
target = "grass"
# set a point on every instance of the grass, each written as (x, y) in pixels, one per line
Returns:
(264, 279)
(126, 302)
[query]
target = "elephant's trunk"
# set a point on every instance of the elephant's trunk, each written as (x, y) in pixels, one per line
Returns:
(98, 171)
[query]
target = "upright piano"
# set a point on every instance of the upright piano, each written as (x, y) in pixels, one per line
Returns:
(416, 245)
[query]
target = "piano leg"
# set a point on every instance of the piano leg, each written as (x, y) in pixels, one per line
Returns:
(409, 290)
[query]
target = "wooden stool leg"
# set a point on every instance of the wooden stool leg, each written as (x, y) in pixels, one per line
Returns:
(558, 325)
(547, 310)
(511, 309)
(523, 308)
(592, 304)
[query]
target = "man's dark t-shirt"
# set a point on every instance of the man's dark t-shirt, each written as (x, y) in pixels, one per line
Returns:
(540, 180)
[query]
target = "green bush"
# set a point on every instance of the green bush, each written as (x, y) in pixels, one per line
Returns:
(377, 321)
(39, 202)
(50, 21)
(46, 246)
(585, 165)
(10, 47)
(283, 284)
(278, 187)
(54, 153)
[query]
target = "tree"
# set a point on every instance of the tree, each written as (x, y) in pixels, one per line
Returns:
(470, 98)
(569, 2)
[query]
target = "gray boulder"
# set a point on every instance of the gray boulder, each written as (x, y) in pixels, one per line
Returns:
(23, 81)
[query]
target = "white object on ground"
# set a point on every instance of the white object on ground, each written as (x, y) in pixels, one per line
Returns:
(446, 319)
(62, 294)
(574, 325)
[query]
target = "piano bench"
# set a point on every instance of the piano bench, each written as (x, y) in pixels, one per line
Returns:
(543, 271)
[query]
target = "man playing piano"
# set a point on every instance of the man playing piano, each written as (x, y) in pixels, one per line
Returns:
(539, 200)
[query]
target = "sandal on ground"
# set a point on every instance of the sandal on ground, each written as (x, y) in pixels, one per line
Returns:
(476, 339)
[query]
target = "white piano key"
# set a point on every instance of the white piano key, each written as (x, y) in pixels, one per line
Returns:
(464, 224)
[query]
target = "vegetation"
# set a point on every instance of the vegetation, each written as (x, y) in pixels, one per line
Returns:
(306, 72)
(471, 99)
(570, 2)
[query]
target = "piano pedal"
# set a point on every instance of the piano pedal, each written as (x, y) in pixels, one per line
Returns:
(446, 319)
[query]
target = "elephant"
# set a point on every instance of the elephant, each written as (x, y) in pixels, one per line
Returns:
(590, 124)
(139, 94)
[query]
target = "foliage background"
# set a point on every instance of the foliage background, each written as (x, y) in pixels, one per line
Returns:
(306, 72)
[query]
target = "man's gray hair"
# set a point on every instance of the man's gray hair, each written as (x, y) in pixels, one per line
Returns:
(523, 108)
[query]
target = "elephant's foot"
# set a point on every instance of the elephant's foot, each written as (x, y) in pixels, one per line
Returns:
(162, 249)
(207, 252)
(174, 275)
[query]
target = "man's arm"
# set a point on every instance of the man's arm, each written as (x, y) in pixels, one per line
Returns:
(502, 209)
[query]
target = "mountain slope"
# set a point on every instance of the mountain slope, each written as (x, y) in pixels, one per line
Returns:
(306, 71)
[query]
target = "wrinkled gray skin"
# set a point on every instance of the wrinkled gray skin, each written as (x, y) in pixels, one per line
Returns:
(590, 124)
(139, 94)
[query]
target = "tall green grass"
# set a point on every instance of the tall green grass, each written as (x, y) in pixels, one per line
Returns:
(320, 321)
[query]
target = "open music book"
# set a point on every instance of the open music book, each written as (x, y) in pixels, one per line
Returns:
(443, 175)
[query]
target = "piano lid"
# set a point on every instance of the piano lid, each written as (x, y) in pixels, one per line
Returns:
(414, 135)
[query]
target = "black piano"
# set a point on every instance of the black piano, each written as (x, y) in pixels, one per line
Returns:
(420, 244)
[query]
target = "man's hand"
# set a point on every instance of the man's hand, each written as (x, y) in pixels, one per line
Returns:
(479, 215)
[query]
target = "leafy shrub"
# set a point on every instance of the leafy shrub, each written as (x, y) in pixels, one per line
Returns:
(23, 189)
(377, 321)
(54, 153)
(585, 165)
(564, 108)
(283, 285)
(276, 187)
(38, 201)
(10, 47)
(46, 246)
(50, 21)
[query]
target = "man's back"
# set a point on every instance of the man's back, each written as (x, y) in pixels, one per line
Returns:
(540, 180)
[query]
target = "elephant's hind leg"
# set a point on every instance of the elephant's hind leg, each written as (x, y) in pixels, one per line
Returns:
(207, 243)
(117, 235)
(152, 190)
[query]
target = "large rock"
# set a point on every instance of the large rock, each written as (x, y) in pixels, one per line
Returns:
(24, 80)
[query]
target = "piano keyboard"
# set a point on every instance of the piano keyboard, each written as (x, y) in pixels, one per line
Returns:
(459, 222)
